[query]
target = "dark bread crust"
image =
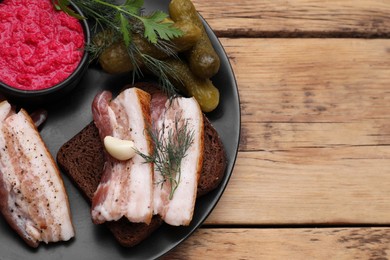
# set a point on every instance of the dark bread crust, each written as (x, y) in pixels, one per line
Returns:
(214, 160)
(82, 159)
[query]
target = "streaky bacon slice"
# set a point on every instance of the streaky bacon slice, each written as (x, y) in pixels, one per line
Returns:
(126, 187)
(179, 209)
(33, 198)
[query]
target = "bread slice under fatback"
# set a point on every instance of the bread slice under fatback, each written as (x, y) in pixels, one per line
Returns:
(82, 159)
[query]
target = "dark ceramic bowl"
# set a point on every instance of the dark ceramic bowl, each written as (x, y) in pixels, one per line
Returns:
(51, 94)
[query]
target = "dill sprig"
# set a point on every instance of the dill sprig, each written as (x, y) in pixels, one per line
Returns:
(169, 150)
(163, 72)
(121, 18)
(122, 21)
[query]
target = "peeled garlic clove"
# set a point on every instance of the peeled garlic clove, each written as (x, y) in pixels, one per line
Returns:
(119, 149)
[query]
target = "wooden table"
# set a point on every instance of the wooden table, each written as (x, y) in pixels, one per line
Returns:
(312, 177)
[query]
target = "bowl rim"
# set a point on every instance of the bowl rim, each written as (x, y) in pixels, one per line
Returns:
(72, 77)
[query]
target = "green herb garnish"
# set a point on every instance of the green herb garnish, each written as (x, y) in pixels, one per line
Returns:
(121, 17)
(169, 150)
(121, 21)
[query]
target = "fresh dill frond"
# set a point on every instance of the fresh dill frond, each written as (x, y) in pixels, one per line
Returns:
(121, 21)
(162, 71)
(120, 17)
(169, 150)
(102, 40)
(168, 48)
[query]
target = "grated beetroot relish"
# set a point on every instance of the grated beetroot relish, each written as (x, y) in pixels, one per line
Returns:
(39, 46)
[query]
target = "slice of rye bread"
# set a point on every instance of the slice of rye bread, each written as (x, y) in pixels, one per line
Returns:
(82, 159)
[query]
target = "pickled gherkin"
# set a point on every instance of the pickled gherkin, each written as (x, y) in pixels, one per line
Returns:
(191, 35)
(192, 75)
(202, 58)
(115, 58)
(202, 90)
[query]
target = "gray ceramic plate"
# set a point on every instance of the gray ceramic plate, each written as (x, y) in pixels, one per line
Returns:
(69, 116)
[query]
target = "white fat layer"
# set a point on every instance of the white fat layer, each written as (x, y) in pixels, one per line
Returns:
(40, 173)
(130, 187)
(139, 203)
(110, 208)
(10, 179)
(5, 108)
(105, 214)
(179, 210)
(6, 167)
(43, 167)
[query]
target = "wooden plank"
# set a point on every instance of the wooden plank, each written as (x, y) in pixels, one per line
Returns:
(299, 164)
(341, 84)
(332, 243)
(298, 18)
(283, 135)
(308, 186)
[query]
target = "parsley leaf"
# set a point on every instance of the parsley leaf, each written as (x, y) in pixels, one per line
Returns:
(121, 22)
(156, 27)
(133, 6)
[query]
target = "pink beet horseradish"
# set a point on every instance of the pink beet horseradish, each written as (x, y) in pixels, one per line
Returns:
(39, 46)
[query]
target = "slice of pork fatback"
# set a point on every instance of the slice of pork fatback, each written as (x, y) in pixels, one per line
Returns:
(33, 198)
(178, 210)
(126, 187)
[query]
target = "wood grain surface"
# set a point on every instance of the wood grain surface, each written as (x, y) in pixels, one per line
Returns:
(298, 18)
(312, 177)
(315, 132)
(302, 243)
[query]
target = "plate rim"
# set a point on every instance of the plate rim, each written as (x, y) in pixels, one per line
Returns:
(216, 194)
